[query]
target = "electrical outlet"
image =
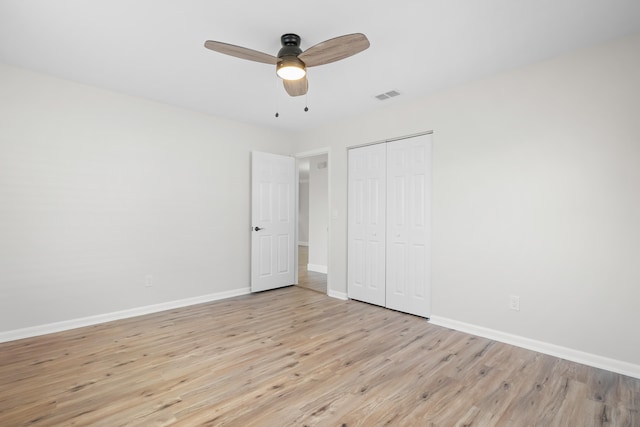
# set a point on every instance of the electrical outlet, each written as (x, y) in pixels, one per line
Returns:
(148, 280)
(514, 303)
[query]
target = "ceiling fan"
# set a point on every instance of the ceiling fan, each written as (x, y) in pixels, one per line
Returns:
(291, 62)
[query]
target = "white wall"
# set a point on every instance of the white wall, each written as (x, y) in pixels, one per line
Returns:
(536, 177)
(98, 189)
(318, 213)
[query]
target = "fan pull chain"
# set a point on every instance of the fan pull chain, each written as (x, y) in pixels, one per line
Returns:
(306, 101)
(277, 98)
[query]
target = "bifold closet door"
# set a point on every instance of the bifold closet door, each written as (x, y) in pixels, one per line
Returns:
(367, 224)
(408, 251)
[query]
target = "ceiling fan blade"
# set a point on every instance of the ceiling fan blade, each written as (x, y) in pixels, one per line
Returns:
(241, 52)
(296, 87)
(334, 49)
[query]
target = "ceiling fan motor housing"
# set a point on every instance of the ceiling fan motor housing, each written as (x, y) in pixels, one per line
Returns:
(290, 45)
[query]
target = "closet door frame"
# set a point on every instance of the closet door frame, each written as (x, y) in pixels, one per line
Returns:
(412, 294)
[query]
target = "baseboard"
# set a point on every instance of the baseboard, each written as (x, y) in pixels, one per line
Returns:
(339, 295)
(613, 365)
(317, 268)
(303, 243)
(117, 315)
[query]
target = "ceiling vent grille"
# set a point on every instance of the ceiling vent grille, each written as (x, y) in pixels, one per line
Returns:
(387, 95)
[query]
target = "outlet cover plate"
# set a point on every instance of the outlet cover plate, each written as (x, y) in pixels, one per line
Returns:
(514, 302)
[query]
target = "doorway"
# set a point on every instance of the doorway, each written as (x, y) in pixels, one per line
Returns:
(313, 221)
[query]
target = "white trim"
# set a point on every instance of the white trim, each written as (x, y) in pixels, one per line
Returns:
(618, 366)
(384, 141)
(338, 295)
(312, 153)
(65, 325)
(303, 243)
(317, 268)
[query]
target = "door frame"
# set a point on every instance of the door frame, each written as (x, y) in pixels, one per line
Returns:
(330, 217)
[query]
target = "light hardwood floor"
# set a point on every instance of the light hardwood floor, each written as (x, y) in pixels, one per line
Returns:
(309, 279)
(291, 357)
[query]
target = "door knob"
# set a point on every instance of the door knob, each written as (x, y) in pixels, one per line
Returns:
(258, 228)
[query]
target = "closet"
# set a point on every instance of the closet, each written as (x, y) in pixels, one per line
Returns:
(389, 219)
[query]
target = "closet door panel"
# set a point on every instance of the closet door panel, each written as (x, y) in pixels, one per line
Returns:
(367, 224)
(408, 269)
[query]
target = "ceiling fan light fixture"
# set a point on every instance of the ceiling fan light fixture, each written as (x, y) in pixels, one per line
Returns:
(291, 62)
(290, 68)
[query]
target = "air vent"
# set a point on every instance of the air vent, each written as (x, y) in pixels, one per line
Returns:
(387, 95)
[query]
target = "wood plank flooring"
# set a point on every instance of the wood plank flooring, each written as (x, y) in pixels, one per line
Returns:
(292, 357)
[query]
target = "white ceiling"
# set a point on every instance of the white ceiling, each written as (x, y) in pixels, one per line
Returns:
(154, 49)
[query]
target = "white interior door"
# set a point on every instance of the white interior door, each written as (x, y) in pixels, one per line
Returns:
(273, 219)
(408, 282)
(366, 224)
